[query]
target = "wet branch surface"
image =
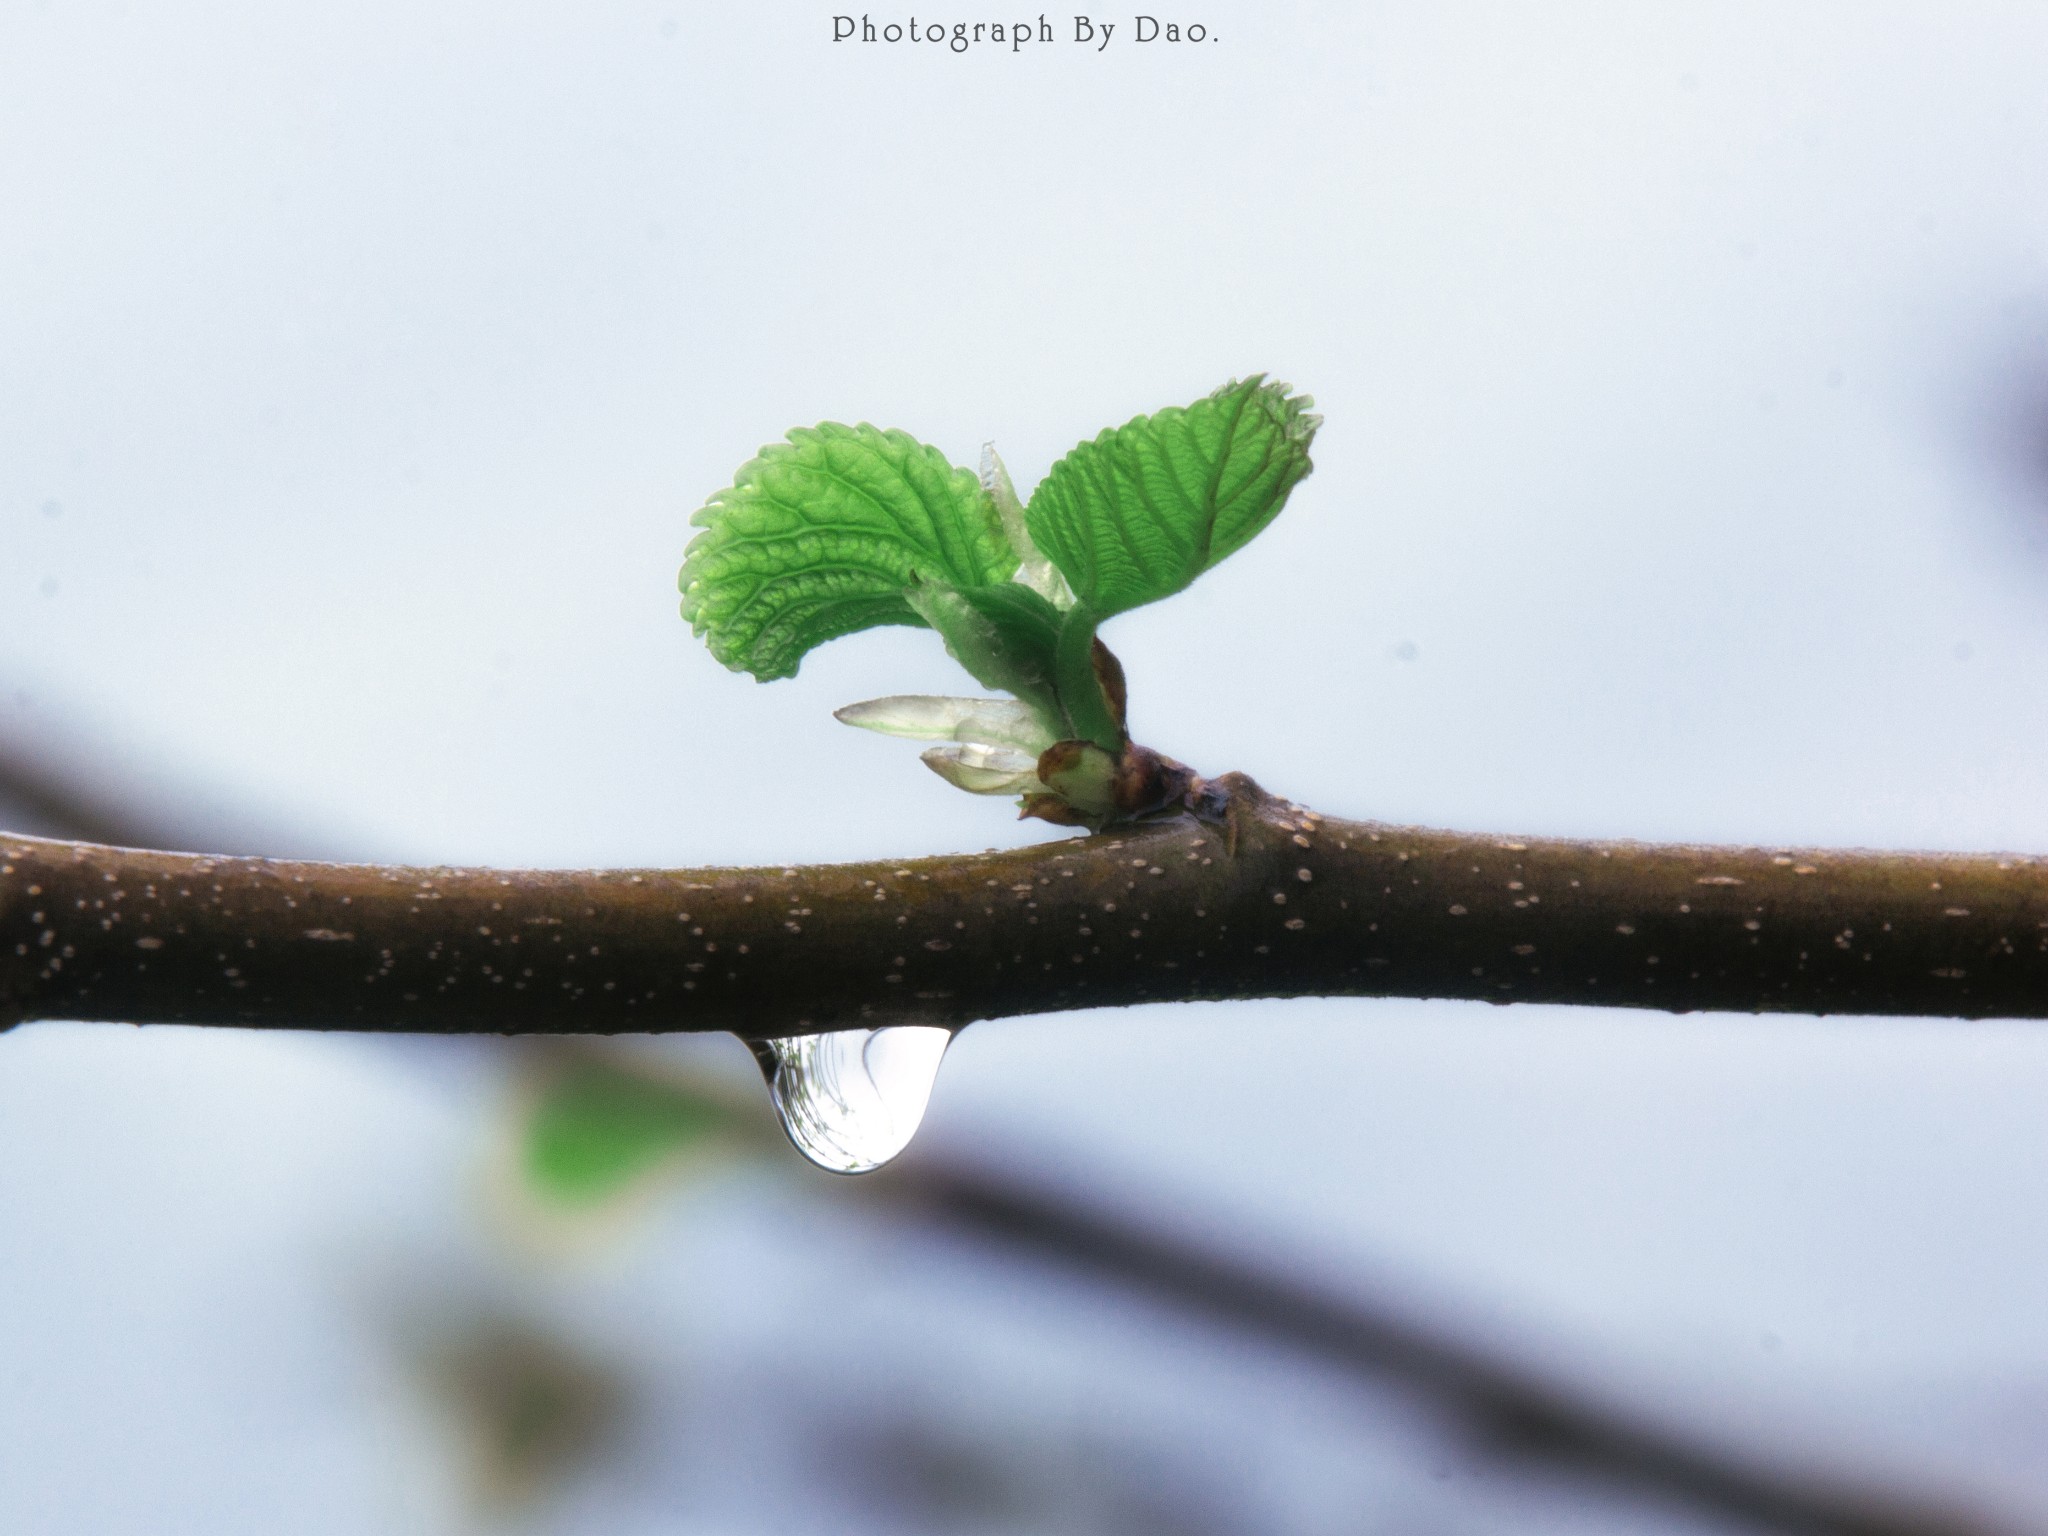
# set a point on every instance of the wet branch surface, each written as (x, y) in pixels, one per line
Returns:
(1275, 902)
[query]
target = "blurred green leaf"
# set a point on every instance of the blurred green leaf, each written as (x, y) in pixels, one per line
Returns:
(533, 1407)
(597, 1128)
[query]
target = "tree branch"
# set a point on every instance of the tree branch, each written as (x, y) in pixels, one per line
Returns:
(1273, 902)
(1553, 1420)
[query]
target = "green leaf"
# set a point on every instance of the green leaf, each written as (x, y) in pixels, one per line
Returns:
(823, 535)
(1145, 508)
(597, 1128)
(1085, 664)
(1007, 637)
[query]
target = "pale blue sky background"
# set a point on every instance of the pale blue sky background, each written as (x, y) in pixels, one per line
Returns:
(1685, 475)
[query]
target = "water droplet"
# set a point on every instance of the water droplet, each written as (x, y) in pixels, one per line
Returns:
(851, 1100)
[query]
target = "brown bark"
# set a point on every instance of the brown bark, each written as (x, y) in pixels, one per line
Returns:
(1278, 902)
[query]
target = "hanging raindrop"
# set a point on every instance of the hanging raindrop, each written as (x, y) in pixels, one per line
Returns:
(851, 1100)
